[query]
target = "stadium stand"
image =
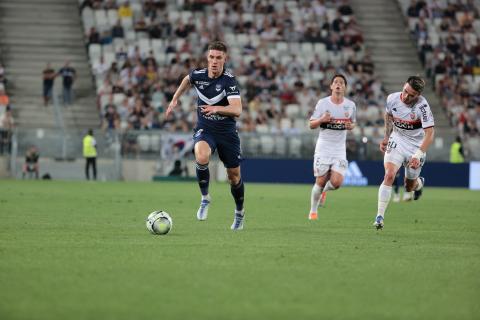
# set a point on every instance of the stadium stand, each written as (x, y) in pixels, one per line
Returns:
(6, 118)
(283, 54)
(447, 38)
(32, 34)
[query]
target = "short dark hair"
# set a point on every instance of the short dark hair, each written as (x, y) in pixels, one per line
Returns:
(217, 45)
(338, 75)
(417, 83)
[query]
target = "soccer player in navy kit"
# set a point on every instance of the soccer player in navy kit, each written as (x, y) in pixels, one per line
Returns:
(218, 104)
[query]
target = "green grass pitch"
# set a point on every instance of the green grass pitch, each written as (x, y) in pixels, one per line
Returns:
(79, 250)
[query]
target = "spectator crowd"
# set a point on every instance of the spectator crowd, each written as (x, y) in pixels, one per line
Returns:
(447, 35)
(283, 54)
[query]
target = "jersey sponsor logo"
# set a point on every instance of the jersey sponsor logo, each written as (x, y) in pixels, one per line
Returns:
(354, 176)
(407, 125)
(200, 71)
(336, 124)
(214, 117)
(423, 110)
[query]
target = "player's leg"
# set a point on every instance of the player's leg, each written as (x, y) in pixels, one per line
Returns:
(338, 168)
(335, 180)
(385, 192)
(202, 157)
(237, 188)
(413, 182)
(396, 187)
(229, 152)
(316, 195)
(407, 195)
(321, 171)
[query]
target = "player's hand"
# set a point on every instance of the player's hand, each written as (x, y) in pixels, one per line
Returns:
(170, 108)
(383, 145)
(349, 125)
(209, 110)
(325, 118)
(414, 163)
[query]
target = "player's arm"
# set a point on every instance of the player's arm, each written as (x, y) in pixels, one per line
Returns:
(180, 90)
(233, 109)
(325, 118)
(388, 119)
(419, 155)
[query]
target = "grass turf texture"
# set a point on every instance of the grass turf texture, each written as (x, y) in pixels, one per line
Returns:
(79, 250)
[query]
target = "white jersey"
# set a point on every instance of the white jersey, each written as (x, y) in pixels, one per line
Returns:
(409, 121)
(332, 135)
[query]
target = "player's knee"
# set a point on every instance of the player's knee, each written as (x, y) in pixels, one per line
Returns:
(336, 183)
(233, 178)
(202, 159)
(389, 176)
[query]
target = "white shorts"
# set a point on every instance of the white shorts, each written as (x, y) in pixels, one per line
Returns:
(399, 155)
(321, 165)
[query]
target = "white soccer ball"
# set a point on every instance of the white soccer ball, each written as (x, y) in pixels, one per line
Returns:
(159, 222)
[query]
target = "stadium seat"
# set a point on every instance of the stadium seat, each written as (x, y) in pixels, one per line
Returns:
(145, 46)
(253, 144)
(285, 124)
(292, 110)
(300, 124)
(280, 145)
(143, 141)
(268, 144)
(294, 147)
(94, 51)
(155, 142)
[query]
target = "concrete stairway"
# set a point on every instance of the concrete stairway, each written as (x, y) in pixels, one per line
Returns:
(32, 33)
(394, 53)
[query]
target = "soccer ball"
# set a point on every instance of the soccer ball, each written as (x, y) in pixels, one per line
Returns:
(159, 222)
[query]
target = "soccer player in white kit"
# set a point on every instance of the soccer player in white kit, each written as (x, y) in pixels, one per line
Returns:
(333, 115)
(408, 134)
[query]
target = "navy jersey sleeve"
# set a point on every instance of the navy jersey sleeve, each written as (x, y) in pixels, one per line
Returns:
(190, 77)
(232, 90)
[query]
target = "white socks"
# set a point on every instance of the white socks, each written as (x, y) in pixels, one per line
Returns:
(384, 193)
(328, 186)
(315, 197)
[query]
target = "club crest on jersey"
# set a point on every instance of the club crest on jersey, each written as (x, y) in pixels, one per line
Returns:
(218, 87)
(347, 114)
(412, 116)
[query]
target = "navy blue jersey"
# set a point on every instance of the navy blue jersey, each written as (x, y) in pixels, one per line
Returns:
(214, 92)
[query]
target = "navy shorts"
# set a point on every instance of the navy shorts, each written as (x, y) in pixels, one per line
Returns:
(227, 145)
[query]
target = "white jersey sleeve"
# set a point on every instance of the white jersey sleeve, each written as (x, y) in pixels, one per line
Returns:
(317, 113)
